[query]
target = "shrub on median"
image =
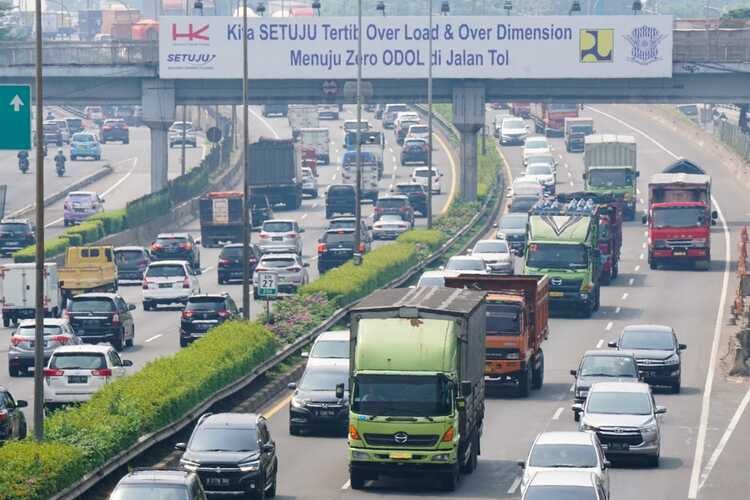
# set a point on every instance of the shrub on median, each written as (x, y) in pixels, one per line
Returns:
(90, 231)
(114, 220)
(52, 247)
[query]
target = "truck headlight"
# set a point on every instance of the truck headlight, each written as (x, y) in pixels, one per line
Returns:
(698, 242)
(442, 457)
(660, 244)
(249, 466)
(360, 455)
(587, 287)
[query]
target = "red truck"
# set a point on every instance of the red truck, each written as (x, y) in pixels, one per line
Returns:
(679, 216)
(520, 109)
(517, 324)
(549, 118)
(611, 214)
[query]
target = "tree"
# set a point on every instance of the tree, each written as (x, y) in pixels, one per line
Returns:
(738, 13)
(8, 29)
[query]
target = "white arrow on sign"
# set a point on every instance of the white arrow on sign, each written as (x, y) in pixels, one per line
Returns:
(16, 103)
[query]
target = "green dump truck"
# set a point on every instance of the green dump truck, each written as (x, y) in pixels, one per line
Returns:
(417, 384)
(561, 242)
(610, 166)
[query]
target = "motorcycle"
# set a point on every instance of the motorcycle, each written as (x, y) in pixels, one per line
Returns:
(23, 165)
(60, 167)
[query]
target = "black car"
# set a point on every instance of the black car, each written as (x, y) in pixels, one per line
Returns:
(315, 404)
(114, 130)
(348, 222)
(203, 312)
(260, 210)
(415, 151)
(12, 420)
(601, 365)
(395, 204)
(233, 454)
(340, 199)
(230, 262)
(102, 317)
(147, 484)
(336, 247)
(177, 246)
(15, 234)
(131, 263)
(417, 194)
(657, 352)
(52, 134)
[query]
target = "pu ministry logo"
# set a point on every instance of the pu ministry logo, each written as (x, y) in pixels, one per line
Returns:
(597, 45)
(644, 44)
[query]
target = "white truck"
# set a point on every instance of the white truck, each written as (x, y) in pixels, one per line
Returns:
(319, 140)
(17, 292)
(302, 116)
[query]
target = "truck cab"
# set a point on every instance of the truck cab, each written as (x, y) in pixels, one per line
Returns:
(610, 166)
(88, 269)
(576, 130)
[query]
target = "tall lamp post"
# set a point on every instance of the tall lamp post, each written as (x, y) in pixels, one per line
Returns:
(429, 116)
(246, 177)
(358, 188)
(184, 112)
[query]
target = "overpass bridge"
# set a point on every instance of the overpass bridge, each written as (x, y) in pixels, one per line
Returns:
(711, 63)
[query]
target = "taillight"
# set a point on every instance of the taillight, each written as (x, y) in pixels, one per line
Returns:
(322, 248)
(186, 246)
(52, 372)
(261, 269)
(156, 246)
(146, 283)
(16, 340)
(403, 209)
(115, 319)
(263, 236)
(223, 313)
(292, 234)
(186, 283)
(60, 339)
(224, 262)
(66, 205)
(361, 248)
(295, 269)
(378, 210)
(448, 436)
(107, 128)
(187, 314)
(3, 415)
(65, 314)
(102, 372)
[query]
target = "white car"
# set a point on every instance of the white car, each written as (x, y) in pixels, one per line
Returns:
(176, 134)
(466, 263)
(329, 348)
(543, 174)
(168, 282)
(418, 131)
(575, 451)
(291, 271)
(281, 235)
(435, 278)
(496, 254)
(406, 115)
(389, 227)
(536, 145)
(309, 182)
(74, 373)
(564, 484)
(420, 175)
(512, 131)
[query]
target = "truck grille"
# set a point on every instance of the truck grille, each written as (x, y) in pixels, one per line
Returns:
(620, 435)
(681, 243)
(396, 440)
(563, 285)
(502, 353)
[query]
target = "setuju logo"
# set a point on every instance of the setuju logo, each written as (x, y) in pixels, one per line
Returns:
(191, 35)
(644, 44)
(597, 45)
(191, 59)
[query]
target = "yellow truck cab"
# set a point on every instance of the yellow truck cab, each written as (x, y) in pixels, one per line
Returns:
(88, 269)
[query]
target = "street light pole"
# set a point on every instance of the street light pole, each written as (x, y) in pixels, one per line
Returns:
(39, 281)
(184, 111)
(358, 188)
(246, 183)
(429, 121)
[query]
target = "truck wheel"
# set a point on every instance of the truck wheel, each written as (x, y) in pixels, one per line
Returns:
(605, 278)
(537, 376)
(356, 480)
(471, 463)
(615, 270)
(6, 321)
(524, 383)
(449, 480)
(598, 298)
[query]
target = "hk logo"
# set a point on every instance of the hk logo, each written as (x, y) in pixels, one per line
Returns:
(191, 35)
(597, 45)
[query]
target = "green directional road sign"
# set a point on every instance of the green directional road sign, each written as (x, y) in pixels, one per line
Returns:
(15, 116)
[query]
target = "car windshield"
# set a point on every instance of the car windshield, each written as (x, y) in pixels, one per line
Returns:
(410, 188)
(580, 129)
(396, 108)
(513, 222)
(539, 170)
(83, 138)
(402, 395)
(342, 224)
(619, 403)
(464, 264)
(165, 271)
(498, 246)
(563, 455)
(150, 491)
(513, 123)
(224, 439)
(171, 240)
(647, 340)
(233, 252)
(340, 237)
(679, 217)
(180, 125)
(523, 203)
(324, 380)
(81, 198)
(437, 281)
(555, 256)
(30, 330)
(205, 304)
(608, 366)
(278, 227)
(78, 361)
(277, 263)
(419, 129)
(91, 305)
(414, 144)
(73, 122)
(424, 173)
(125, 256)
(11, 227)
(503, 319)
(560, 493)
(338, 349)
(536, 143)
(547, 160)
(610, 178)
(341, 191)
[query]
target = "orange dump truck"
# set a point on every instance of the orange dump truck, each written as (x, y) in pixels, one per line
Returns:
(517, 324)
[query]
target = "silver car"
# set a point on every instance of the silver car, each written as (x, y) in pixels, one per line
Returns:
(309, 183)
(625, 418)
(281, 235)
(389, 227)
(466, 263)
(21, 353)
(496, 254)
(329, 348)
(291, 271)
(565, 484)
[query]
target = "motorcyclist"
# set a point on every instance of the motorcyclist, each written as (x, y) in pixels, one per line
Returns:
(23, 160)
(60, 159)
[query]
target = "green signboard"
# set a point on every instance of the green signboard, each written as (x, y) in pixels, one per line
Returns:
(15, 115)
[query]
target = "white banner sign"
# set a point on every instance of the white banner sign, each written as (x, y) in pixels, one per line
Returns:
(397, 47)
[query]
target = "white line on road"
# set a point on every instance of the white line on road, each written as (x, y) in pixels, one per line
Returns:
(334, 177)
(346, 485)
(206, 269)
(645, 234)
(637, 268)
(617, 311)
(152, 338)
(304, 216)
(625, 296)
(557, 414)
(637, 191)
(600, 344)
(571, 183)
(642, 202)
(631, 281)
(642, 256)
(514, 486)
(569, 174)
(315, 205)
(608, 327)
(572, 387)
(566, 166)
(264, 122)
(644, 245)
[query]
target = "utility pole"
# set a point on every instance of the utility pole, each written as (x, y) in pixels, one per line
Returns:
(184, 111)
(39, 281)
(429, 121)
(246, 182)
(358, 188)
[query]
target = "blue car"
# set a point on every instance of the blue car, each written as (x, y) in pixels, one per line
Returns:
(84, 144)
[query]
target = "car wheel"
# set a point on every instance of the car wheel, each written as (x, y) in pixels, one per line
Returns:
(294, 430)
(6, 321)
(73, 158)
(129, 342)
(98, 157)
(13, 371)
(147, 306)
(676, 387)
(126, 141)
(271, 492)
(183, 343)
(221, 280)
(22, 433)
(119, 341)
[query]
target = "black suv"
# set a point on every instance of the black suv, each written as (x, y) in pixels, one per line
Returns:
(233, 454)
(102, 317)
(13, 422)
(417, 194)
(159, 483)
(336, 247)
(15, 234)
(315, 404)
(395, 204)
(131, 263)
(203, 312)
(351, 223)
(230, 262)
(260, 210)
(177, 246)
(340, 199)
(114, 130)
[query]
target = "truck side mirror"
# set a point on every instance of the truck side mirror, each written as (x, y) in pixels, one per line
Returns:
(574, 373)
(583, 175)
(637, 174)
(339, 391)
(577, 408)
(644, 219)
(714, 214)
(466, 388)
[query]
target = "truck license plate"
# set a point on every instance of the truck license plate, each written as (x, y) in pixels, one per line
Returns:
(555, 294)
(680, 253)
(400, 455)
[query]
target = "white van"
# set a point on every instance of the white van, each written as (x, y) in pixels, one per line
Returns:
(17, 292)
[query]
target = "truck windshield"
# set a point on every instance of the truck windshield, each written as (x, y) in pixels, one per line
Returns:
(581, 130)
(679, 217)
(610, 178)
(402, 395)
(562, 107)
(503, 319)
(555, 256)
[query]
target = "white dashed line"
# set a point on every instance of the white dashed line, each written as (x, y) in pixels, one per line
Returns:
(566, 166)
(638, 191)
(631, 281)
(315, 205)
(304, 216)
(617, 311)
(642, 202)
(515, 485)
(642, 256)
(637, 268)
(571, 183)
(346, 485)
(152, 338)
(572, 387)
(608, 327)
(334, 177)
(625, 296)
(557, 414)
(600, 344)
(645, 233)
(569, 174)
(206, 269)
(644, 245)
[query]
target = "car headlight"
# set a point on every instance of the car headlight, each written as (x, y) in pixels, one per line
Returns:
(650, 426)
(674, 359)
(298, 403)
(251, 466)
(587, 427)
(189, 465)
(441, 457)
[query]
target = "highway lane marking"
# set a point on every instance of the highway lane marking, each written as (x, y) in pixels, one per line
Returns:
(608, 328)
(572, 387)
(557, 414)
(644, 245)
(706, 401)
(645, 234)
(334, 177)
(637, 268)
(566, 165)
(600, 344)
(642, 257)
(264, 122)
(571, 184)
(642, 202)
(346, 485)
(514, 486)
(617, 311)
(150, 339)
(206, 269)
(304, 216)
(454, 170)
(277, 407)
(631, 281)
(625, 296)
(637, 191)
(570, 175)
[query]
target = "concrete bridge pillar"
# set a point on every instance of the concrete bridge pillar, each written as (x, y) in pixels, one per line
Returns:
(468, 118)
(158, 100)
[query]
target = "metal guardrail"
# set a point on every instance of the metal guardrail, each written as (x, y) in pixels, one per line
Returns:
(733, 136)
(490, 208)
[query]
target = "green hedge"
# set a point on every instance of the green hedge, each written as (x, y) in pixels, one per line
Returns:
(81, 438)
(90, 231)
(52, 247)
(114, 220)
(147, 207)
(431, 239)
